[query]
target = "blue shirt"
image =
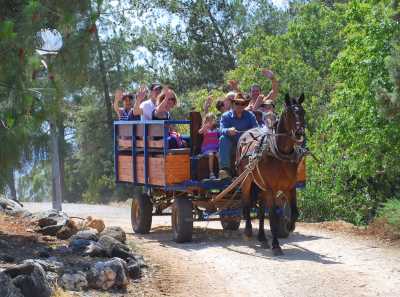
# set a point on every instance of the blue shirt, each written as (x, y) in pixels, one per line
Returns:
(127, 115)
(229, 120)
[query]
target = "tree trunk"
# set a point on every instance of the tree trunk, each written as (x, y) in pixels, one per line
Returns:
(61, 149)
(103, 74)
(55, 167)
(11, 185)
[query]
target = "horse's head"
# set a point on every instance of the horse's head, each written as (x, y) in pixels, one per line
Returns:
(293, 118)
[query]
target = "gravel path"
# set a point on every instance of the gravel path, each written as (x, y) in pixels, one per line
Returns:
(317, 262)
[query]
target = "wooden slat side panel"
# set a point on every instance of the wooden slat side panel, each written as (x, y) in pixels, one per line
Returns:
(124, 143)
(177, 168)
(125, 168)
(150, 143)
(124, 131)
(156, 170)
(152, 130)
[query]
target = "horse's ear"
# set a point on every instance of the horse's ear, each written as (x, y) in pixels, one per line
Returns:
(301, 98)
(288, 102)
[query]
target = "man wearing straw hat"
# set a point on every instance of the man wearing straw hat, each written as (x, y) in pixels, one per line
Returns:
(233, 123)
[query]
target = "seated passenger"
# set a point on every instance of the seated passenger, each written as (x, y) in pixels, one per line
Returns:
(210, 143)
(270, 117)
(145, 108)
(124, 113)
(165, 102)
(233, 124)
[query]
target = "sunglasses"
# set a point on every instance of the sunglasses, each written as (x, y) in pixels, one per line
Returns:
(172, 99)
(240, 103)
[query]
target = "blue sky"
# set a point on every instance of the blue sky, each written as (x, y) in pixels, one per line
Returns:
(280, 3)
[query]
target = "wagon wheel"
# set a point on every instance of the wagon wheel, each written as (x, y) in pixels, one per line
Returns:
(141, 214)
(182, 220)
(285, 221)
(229, 223)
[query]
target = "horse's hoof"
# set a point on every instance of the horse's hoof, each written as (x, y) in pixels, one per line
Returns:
(277, 251)
(265, 245)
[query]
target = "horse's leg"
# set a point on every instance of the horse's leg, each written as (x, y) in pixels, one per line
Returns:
(274, 223)
(294, 209)
(246, 198)
(261, 232)
(248, 231)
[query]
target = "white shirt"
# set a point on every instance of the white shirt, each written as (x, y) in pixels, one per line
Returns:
(147, 108)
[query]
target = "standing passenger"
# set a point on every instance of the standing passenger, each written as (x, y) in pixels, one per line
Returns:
(124, 113)
(210, 143)
(145, 108)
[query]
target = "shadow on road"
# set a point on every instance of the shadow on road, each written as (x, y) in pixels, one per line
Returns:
(234, 241)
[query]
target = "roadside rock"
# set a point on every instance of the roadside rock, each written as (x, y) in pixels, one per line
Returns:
(30, 279)
(79, 245)
(7, 258)
(47, 265)
(95, 250)
(67, 230)
(114, 248)
(106, 275)
(50, 218)
(73, 281)
(13, 208)
(86, 235)
(95, 224)
(7, 287)
(134, 270)
(115, 232)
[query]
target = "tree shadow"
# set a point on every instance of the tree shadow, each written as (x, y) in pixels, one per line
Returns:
(234, 241)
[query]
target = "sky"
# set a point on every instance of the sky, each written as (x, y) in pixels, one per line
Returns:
(280, 3)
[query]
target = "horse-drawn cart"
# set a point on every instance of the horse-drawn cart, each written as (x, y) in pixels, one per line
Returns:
(174, 178)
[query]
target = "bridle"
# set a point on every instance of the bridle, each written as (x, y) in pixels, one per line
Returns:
(298, 129)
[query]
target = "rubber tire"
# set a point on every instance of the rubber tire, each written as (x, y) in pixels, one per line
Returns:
(284, 222)
(230, 225)
(182, 220)
(141, 214)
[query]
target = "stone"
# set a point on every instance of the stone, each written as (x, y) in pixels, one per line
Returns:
(134, 270)
(49, 265)
(30, 279)
(52, 278)
(73, 281)
(7, 288)
(67, 230)
(87, 235)
(7, 258)
(50, 230)
(95, 250)
(115, 232)
(8, 204)
(113, 246)
(79, 245)
(110, 274)
(95, 224)
(50, 218)
(43, 252)
(140, 260)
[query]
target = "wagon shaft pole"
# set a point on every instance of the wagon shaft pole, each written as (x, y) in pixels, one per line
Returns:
(238, 180)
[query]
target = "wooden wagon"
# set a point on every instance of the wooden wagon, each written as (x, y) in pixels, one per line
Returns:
(175, 178)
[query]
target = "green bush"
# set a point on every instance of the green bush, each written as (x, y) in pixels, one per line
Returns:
(390, 212)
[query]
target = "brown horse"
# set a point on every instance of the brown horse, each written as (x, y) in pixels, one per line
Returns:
(274, 158)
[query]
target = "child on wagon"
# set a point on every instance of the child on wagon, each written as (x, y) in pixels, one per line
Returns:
(124, 113)
(210, 143)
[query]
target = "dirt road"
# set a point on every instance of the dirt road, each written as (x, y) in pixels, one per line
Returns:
(317, 262)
